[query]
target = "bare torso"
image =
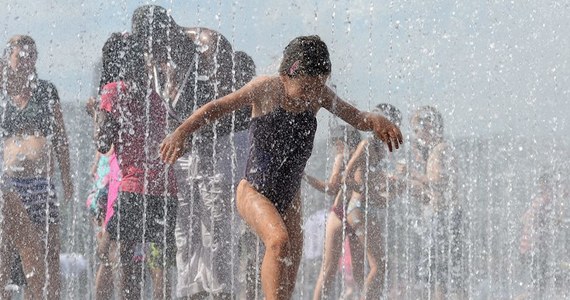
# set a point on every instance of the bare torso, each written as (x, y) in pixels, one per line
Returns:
(27, 156)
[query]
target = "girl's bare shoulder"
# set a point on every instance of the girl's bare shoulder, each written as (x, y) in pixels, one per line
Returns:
(268, 90)
(265, 82)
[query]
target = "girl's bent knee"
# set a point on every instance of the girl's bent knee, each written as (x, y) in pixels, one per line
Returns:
(373, 271)
(278, 243)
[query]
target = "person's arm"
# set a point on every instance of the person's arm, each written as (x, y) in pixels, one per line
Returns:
(91, 107)
(61, 146)
(106, 129)
(106, 126)
(319, 185)
(173, 146)
(356, 161)
(438, 176)
(333, 184)
(364, 121)
(95, 164)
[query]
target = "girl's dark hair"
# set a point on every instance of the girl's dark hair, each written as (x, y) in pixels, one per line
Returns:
(429, 115)
(134, 65)
(23, 41)
(154, 25)
(113, 59)
(123, 60)
(347, 134)
(390, 112)
(305, 55)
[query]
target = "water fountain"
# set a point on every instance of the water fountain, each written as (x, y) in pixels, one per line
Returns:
(496, 71)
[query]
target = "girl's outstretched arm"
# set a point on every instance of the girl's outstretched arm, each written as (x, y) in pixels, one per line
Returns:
(383, 129)
(173, 145)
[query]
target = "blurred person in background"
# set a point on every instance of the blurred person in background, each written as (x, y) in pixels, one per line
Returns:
(345, 139)
(35, 139)
(106, 173)
(132, 120)
(433, 183)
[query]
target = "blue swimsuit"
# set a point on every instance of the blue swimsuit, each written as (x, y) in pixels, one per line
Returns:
(281, 144)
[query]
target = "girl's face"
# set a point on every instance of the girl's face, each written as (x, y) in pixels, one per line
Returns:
(423, 131)
(22, 59)
(304, 87)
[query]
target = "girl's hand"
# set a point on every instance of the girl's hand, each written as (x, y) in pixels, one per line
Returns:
(173, 147)
(386, 131)
(91, 106)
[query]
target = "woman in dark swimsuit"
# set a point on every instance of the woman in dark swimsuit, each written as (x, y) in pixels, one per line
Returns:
(282, 132)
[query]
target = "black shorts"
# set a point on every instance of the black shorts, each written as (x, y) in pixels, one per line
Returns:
(133, 222)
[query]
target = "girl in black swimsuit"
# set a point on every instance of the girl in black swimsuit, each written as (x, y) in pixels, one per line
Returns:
(282, 129)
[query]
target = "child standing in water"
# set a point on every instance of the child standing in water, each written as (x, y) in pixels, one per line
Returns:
(33, 139)
(282, 132)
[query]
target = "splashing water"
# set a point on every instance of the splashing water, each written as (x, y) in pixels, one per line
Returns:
(495, 72)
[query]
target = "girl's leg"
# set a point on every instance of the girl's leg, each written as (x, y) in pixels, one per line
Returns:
(53, 272)
(5, 263)
(368, 231)
(104, 284)
(264, 219)
(332, 252)
(293, 218)
(22, 233)
(131, 277)
(358, 254)
(161, 284)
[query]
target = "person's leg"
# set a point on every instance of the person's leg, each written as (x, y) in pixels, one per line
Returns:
(332, 252)
(293, 218)
(159, 262)
(161, 250)
(104, 284)
(264, 219)
(6, 261)
(160, 284)
(358, 253)
(52, 256)
(368, 230)
(20, 230)
(126, 228)
(131, 269)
